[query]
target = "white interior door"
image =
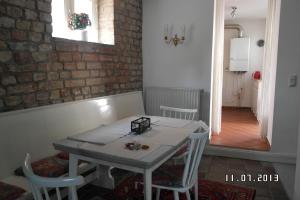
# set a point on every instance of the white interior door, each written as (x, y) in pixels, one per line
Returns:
(217, 67)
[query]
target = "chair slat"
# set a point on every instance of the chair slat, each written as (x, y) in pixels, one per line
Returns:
(196, 148)
(39, 185)
(46, 193)
(178, 113)
(58, 195)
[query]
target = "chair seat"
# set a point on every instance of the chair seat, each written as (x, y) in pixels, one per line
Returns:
(10, 192)
(47, 167)
(166, 175)
(169, 176)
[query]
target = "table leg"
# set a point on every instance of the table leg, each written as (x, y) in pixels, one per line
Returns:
(148, 184)
(73, 168)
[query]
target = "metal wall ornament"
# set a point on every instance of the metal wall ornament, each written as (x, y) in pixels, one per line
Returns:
(173, 39)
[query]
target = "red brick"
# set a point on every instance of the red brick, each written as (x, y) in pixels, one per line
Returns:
(93, 65)
(94, 81)
(90, 57)
(107, 50)
(18, 35)
(56, 66)
(53, 85)
(98, 89)
(76, 56)
(8, 80)
(102, 73)
(76, 91)
(41, 96)
(43, 67)
(55, 94)
(65, 75)
(95, 73)
(86, 90)
(65, 92)
(65, 57)
(22, 88)
(54, 56)
(24, 77)
(39, 76)
(40, 56)
(29, 99)
(70, 66)
(80, 74)
(53, 76)
(22, 57)
(81, 65)
(13, 100)
(74, 83)
(104, 58)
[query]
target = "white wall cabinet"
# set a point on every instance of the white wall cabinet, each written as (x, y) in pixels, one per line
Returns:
(239, 54)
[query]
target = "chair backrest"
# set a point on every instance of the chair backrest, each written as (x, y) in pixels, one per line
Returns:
(179, 113)
(196, 146)
(41, 185)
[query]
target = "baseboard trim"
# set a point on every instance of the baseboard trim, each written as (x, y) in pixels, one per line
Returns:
(251, 154)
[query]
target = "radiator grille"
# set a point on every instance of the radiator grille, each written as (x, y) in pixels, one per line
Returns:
(188, 98)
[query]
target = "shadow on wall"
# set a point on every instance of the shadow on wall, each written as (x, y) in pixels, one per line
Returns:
(205, 106)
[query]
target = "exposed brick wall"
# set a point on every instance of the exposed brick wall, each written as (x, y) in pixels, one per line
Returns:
(36, 69)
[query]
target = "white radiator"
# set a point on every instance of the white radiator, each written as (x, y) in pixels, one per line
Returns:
(154, 97)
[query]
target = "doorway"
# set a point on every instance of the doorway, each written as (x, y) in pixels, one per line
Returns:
(239, 75)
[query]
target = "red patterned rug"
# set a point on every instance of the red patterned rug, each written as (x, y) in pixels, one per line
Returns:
(208, 190)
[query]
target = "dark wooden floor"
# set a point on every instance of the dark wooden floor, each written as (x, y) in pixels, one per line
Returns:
(240, 129)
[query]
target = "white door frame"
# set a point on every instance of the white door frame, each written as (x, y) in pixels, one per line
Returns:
(269, 69)
(217, 67)
(270, 60)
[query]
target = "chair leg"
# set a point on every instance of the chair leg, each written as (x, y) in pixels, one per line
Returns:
(188, 196)
(196, 188)
(176, 195)
(157, 193)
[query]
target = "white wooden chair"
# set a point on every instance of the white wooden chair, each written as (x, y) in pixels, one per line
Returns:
(190, 172)
(179, 113)
(41, 185)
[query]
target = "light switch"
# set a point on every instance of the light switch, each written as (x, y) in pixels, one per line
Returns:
(293, 80)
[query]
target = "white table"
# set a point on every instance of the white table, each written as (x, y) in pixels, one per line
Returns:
(165, 138)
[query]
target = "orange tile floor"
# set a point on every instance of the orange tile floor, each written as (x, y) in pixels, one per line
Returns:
(240, 129)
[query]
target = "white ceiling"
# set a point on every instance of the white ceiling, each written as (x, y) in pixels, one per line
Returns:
(247, 9)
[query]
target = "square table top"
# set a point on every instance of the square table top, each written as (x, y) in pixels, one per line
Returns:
(107, 143)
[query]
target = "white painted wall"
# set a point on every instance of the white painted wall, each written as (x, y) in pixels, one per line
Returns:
(255, 30)
(190, 65)
(287, 100)
(286, 173)
(297, 176)
(187, 65)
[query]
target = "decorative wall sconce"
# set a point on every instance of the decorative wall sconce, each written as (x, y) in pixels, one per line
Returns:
(175, 40)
